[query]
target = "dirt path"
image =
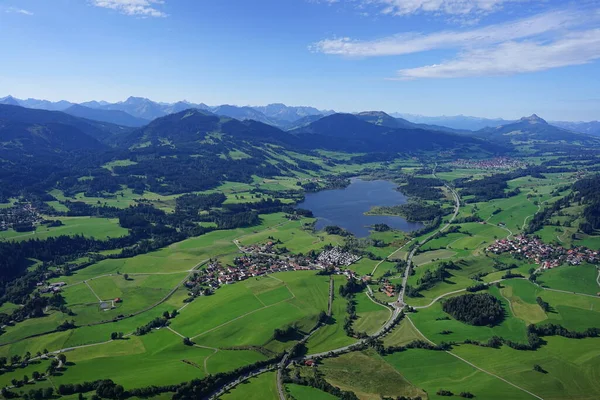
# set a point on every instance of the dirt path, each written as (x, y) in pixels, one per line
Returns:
(88, 285)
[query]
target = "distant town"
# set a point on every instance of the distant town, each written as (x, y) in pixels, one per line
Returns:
(545, 255)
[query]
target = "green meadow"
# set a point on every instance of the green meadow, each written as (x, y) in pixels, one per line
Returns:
(368, 375)
(433, 370)
(99, 228)
(575, 278)
(572, 367)
(262, 387)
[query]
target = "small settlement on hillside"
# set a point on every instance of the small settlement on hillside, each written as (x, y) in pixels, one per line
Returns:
(262, 260)
(545, 255)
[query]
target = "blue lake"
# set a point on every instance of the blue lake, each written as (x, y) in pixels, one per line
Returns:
(346, 207)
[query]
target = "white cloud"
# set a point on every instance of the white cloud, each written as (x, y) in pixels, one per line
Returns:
(144, 8)
(18, 11)
(515, 57)
(452, 7)
(413, 42)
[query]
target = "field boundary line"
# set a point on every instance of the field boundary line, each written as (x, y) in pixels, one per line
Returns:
(475, 366)
(98, 297)
(240, 317)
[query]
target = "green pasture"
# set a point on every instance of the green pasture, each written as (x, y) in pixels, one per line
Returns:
(371, 316)
(262, 387)
(99, 228)
(572, 278)
(368, 375)
(574, 312)
(402, 334)
(433, 370)
(332, 335)
(572, 365)
(431, 323)
(300, 392)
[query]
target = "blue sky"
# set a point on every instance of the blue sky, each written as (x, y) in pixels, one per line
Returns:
(492, 58)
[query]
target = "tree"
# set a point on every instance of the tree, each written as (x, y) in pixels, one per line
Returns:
(48, 392)
(114, 336)
(126, 277)
(187, 341)
(62, 358)
(36, 375)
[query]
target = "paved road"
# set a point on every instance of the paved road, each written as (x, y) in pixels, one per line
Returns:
(400, 302)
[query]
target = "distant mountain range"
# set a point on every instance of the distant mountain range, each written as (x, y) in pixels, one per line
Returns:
(40, 147)
(138, 111)
(534, 128)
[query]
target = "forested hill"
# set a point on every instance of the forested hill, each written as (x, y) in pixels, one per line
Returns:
(201, 129)
(117, 117)
(384, 119)
(101, 131)
(359, 136)
(536, 129)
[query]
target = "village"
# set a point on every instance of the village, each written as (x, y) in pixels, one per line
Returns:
(20, 217)
(545, 255)
(259, 260)
(498, 163)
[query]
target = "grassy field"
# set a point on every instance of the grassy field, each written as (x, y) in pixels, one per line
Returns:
(266, 303)
(431, 323)
(371, 316)
(367, 375)
(434, 370)
(457, 279)
(577, 278)
(262, 387)
(402, 334)
(572, 365)
(332, 335)
(300, 392)
(99, 228)
(572, 311)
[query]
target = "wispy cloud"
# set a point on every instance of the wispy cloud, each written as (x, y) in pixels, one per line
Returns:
(143, 8)
(407, 43)
(15, 10)
(541, 42)
(515, 57)
(458, 10)
(451, 7)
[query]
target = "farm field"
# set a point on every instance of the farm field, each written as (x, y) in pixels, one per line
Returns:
(571, 365)
(371, 316)
(368, 375)
(210, 330)
(432, 322)
(99, 228)
(257, 388)
(332, 335)
(437, 370)
(578, 278)
(307, 393)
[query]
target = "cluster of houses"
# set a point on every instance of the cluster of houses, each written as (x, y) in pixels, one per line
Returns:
(545, 255)
(266, 248)
(55, 287)
(335, 257)
(260, 263)
(497, 163)
(388, 289)
(21, 214)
